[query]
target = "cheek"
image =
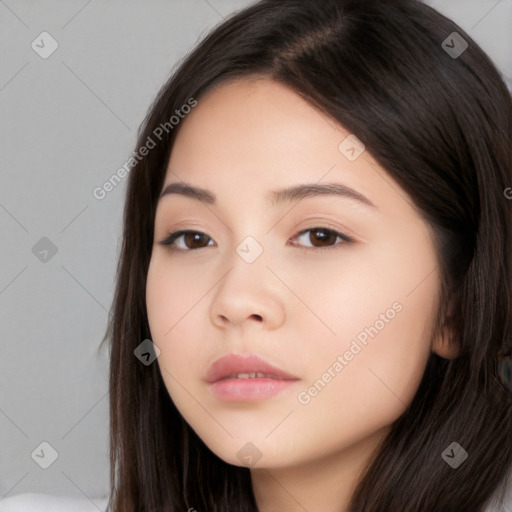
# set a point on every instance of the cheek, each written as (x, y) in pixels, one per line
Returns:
(382, 318)
(170, 294)
(371, 388)
(170, 300)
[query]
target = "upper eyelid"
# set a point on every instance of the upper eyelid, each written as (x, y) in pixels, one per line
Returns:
(312, 223)
(323, 217)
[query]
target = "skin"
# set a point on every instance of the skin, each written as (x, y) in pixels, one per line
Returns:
(295, 307)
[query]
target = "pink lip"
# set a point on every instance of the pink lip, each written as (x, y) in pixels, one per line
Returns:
(244, 390)
(233, 364)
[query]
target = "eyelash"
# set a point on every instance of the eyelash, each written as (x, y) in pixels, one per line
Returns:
(169, 241)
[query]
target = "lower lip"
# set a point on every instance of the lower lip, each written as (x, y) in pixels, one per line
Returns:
(238, 390)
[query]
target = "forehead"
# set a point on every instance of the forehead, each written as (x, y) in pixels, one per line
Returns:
(256, 105)
(256, 125)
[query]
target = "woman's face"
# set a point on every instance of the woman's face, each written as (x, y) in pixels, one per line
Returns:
(351, 324)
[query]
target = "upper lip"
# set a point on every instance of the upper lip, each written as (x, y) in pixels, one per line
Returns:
(249, 363)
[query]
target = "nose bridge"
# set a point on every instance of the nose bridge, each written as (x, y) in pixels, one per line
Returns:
(250, 250)
(249, 234)
(246, 267)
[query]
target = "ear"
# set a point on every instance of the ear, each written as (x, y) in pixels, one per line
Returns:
(445, 342)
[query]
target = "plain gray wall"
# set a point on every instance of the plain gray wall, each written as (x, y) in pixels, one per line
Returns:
(68, 122)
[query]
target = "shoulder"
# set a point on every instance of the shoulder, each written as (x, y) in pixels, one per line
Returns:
(38, 502)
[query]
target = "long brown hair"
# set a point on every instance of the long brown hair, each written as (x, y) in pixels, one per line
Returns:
(441, 124)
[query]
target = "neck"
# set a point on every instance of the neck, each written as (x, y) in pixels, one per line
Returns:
(325, 483)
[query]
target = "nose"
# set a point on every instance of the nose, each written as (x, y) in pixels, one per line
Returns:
(248, 294)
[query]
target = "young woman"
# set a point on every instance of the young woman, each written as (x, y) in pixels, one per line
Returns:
(313, 304)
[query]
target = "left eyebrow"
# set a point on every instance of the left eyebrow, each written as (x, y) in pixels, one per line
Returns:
(275, 197)
(311, 190)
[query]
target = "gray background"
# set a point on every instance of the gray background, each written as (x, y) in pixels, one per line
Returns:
(67, 123)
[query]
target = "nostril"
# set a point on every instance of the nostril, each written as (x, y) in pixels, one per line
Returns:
(257, 317)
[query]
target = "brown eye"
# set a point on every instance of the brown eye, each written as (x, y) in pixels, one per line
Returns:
(191, 240)
(321, 239)
(325, 237)
(194, 240)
